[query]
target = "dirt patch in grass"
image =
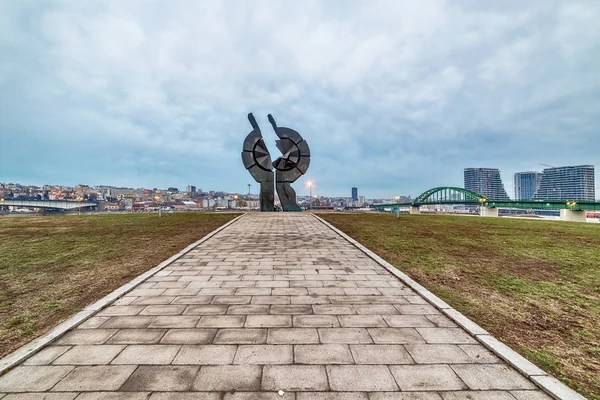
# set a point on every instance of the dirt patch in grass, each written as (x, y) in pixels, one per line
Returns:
(51, 267)
(534, 284)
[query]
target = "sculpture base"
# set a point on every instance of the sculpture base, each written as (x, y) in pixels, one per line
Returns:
(287, 197)
(267, 196)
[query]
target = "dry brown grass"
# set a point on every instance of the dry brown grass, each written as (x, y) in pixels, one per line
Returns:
(534, 284)
(52, 267)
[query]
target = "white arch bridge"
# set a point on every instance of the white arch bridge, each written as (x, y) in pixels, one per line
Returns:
(50, 204)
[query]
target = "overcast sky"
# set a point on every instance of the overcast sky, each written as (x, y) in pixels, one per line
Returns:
(394, 97)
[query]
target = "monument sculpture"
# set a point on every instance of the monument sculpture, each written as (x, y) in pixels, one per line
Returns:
(289, 167)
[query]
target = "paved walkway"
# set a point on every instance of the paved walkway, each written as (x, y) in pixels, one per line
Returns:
(273, 302)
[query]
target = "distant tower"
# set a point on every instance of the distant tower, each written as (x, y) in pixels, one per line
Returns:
(485, 181)
(354, 194)
(567, 183)
(526, 184)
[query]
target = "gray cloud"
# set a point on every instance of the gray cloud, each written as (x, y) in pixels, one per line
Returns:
(394, 97)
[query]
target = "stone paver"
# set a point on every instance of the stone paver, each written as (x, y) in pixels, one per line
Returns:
(264, 354)
(273, 302)
(161, 378)
(97, 377)
(427, 377)
(228, 378)
(295, 378)
(89, 355)
(323, 354)
(361, 378)
(206, 355)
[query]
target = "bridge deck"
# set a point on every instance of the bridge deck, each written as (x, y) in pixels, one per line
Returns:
(52, 204)
(273, 302)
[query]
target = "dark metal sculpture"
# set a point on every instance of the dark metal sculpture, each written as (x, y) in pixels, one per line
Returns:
(289, 167)
(257, 160)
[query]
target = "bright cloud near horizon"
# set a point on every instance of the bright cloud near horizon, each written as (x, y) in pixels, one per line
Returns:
(394, 97)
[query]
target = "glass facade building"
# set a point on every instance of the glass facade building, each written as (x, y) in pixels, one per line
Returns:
(354, 194)
(485, 181)
(526, 184)
(567, 183)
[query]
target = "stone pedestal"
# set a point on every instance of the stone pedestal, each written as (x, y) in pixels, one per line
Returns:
(415, 210)
(489, 211)
(572, 215)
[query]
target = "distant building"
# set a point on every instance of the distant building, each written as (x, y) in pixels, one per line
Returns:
(354, 194)
(207, 203)
(111, 206)
(485, 181)
(190, 189)
(188, 205)
(567, 183)
(222, 203)
(526, 184)
(254, 204)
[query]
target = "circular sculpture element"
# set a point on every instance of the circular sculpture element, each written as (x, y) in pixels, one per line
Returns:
(261, 155)
(290, 157)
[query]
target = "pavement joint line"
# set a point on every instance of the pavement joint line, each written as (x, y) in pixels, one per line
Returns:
(547, 383)
(29, 349)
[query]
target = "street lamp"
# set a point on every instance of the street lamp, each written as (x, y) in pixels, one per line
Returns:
(570, 205)
(310, 185)
(481, 200)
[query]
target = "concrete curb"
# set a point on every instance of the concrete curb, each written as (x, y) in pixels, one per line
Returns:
(547, 383)
(26, 351)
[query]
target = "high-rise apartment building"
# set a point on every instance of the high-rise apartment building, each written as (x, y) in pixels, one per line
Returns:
(190, 189)
(485, 181)
(567, 183)
(354, 194)
(526, 184)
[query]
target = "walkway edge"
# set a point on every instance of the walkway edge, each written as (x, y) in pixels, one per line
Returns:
(29, 349)
(547, 383)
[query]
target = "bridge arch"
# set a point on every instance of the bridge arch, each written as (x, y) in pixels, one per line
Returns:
(449, 195)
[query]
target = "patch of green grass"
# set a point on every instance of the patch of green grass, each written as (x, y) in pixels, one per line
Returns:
(53, 266)
(513, 284)
(30, 329)
(52, 306)
(546, 360)
(534, 284)
(523, 286)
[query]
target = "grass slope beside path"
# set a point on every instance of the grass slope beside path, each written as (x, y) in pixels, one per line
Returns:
(51, 267)
(533, 284)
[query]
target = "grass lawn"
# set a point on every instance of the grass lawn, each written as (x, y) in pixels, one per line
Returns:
(52, 267)
(534, 284)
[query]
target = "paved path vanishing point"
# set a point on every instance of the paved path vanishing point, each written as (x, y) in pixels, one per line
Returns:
(272, 302)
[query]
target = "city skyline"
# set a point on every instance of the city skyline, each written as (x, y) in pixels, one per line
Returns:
(300, 186)
(393, 97)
